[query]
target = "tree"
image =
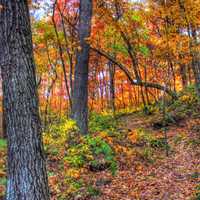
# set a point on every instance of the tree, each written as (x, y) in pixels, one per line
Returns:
(132, 44)
(111, 68)
(80, 91)
(26, 176)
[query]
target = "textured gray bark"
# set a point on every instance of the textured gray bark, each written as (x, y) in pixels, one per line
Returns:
(26, 175)
(80, 92)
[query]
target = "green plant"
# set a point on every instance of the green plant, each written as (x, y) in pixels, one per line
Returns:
(195, 175)
(93, 191)
(159, 143)
(144, 137)
(146, 154)
(101, 147)
(59, 135)
(50, 173)
(149, 109)
(194, 142)
(197, 192)
(3, 181)
(3, 144)
(187, 103)
(178, 138)
(73, 188)
(102, 122)
(91, 151)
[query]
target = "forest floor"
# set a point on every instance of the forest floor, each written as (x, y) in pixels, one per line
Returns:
(144, 172)
(172, 177)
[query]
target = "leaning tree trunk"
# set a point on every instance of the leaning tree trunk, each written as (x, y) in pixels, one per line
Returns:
(26, 175)
(80, 92)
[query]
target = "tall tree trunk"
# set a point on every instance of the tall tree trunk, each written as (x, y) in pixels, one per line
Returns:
(146, 88)
(196, 71)
(61, 53)
(69, 55)
(26, 175)
(196, 61)
(192, 34)
(183, 73)
(80, 92)
(111, 67)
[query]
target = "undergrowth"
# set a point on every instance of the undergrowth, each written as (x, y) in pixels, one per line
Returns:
(72, 157)
(77, 155)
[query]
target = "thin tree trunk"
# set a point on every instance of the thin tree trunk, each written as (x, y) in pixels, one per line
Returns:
(61, 55)
(193, 47)
(70, 55)
(26, 175)
(196, 62)
(122, 93)
(111, 67)
(183, 73)
(50, 86)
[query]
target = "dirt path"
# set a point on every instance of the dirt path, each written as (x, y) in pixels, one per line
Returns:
(167, 178)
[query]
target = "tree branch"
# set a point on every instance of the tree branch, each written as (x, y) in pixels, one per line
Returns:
(130, 78)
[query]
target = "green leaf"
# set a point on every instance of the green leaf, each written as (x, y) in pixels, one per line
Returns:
(144, 50)
(3, 144)
(136, 18)
(120, 48)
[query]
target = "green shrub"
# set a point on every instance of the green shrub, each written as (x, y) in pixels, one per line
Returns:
(93, 191)
(149, 109)
(102, 122)
(146, 154)
(59, 135)
(197, 193)
(194, 142)
(187, 101)
(148, 143)
(91, 151)
(73, 188)
(76, 154)
(144, 137)
(3, 143)
(3, 181)
(178, 138)
(158, 143)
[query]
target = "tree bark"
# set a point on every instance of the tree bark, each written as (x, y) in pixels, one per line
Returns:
(61, 53)
(80, 92)
(111, 68)
(26, 175)
(183, 73)
(193, 47)
(196, 61)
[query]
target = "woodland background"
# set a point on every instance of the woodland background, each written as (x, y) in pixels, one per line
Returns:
(130, 128)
